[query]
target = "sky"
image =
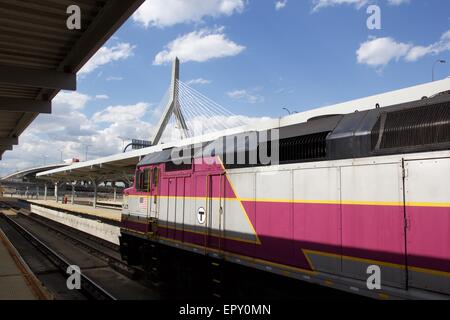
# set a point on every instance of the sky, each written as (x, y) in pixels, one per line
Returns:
(253, 57)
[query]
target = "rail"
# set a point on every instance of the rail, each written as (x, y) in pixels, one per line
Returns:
(88, 286)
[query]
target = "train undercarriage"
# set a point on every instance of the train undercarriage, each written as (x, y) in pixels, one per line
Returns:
(180, 274)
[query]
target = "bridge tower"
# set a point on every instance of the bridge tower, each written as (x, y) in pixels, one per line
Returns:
(173, 107)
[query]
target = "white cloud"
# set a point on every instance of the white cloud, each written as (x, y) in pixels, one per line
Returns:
(397, 2)
(280, 4)
(417, 52)
(107, 55)
(199, 46)
(200, 81)
(320, 4)
(358, 4)
(248, 96)
(67, 129)
(114, 78)
(436, 48)
(446, 35)
(164, 13)
(101, 97)
(71, 100)
(379, 52)
(121, 113)
(285, 91)
(206, 124)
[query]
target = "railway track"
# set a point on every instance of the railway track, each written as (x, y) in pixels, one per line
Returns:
(43, 268)
(88, 286)
(106, 251)
(100, 261)
(103, 275)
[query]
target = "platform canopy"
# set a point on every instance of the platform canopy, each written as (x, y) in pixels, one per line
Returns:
(39, 55)
(114, 168)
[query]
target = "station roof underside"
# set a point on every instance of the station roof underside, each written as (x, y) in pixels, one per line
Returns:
(117, 167)
(125, 163)
(39, 55)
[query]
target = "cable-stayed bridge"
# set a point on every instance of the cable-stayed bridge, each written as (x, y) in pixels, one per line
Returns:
(188, 113)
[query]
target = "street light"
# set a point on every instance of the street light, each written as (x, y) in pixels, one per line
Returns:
(287, 110)
(123, 141)
(434, 66)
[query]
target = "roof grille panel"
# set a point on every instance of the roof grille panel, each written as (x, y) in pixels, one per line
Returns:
(426, 125)
(308, 147)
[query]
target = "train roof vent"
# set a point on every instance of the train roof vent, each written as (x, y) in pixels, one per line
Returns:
(308, 147)
(426, 125)
(443, 93)
(324, 117)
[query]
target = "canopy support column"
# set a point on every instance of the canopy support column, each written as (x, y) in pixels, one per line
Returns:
(115, 191)
(56, 191)
(95, 195)
(72, 199)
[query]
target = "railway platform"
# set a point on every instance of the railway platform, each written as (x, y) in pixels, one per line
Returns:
(85, 210)
(16, 279)
(100, 222)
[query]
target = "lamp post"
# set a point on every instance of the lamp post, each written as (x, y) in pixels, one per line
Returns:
(123, 141)
(434, 66)
(86, 146)
(289, 111)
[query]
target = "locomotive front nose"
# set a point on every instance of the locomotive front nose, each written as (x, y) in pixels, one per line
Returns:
(125, 201)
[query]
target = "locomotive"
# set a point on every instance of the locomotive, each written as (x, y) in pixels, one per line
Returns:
(348, 192)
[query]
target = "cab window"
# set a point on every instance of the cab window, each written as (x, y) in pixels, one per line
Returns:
(143, 180)
(155, 176)
(137, 180)
(146, 180)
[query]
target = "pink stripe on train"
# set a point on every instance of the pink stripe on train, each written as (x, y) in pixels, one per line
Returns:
(368, 232)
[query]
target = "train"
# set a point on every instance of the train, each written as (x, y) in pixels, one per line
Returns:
(348, 192)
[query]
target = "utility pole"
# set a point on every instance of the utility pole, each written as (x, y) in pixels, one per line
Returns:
(45, 159)
(86, 151)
